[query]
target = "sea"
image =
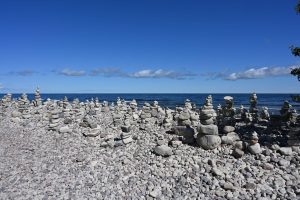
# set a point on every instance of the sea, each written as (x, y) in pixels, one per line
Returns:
(272, 101)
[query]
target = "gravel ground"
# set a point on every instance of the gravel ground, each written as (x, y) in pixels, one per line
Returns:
(41, 164)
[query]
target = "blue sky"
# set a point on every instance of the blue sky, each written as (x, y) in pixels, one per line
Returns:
(142, 46)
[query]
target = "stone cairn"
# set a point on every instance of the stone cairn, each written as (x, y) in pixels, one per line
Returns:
(169, 119)
(37, 98)
(228, 112)
(89, 127)
(253, 110)
(229, 137)
(294, 132)
(126, 135)
(264, 114)
(254, 146)
(67, 111)
(24, 104)
(188, 116)
(54, 119)
(286, 112)
(97, 106)
(208, 134)
(6, 100)
(145, 117)
(117, 117)
(105, 107)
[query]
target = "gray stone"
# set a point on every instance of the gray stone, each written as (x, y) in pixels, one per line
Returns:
(209, 141)
(127, 140)
(255, 149)
(227, 140)
(229, 186)
(163, 150)
(238, 153)
(208, 129)
(65, 129)
(16, 114)
(215, 171)
(267, 166)
(287, 151)
(228, 129)
(283, 162)
(207, 121)
(126, 129)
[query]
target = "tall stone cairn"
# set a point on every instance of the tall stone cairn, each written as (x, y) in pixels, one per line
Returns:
(208, 134)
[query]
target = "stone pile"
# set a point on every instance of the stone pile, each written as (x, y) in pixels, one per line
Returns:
(162, 149)
(133, 105)
(24, 106)
(228, 112)
(208, 134)
(253, 110)
(97, 106)
(67, 111)
(229, 137)
(89, 127)
(37, 98)
(254, 146)
(286, 111)
(145, 117)
(105, 107)
(168, 120)
(54, 120)
(117, 118)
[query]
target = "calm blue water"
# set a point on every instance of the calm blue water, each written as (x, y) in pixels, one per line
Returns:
(272, 101)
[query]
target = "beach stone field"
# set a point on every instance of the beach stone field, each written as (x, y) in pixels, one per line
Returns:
(57, 149)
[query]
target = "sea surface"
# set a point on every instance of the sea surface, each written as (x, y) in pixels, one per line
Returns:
(272, 101)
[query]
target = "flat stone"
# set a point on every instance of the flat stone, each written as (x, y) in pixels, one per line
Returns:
(228, 129)
(283, 162)
(229, 186)
(207, 121)
(208, 129)
(163, 150)
(287, 151)
(91, 133)
(127, 140)
(65, 129)
(215, 171)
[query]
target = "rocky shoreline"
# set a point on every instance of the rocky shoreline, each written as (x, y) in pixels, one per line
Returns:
(56, 149)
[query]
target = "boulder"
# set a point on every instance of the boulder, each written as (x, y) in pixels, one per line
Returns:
(209, 141)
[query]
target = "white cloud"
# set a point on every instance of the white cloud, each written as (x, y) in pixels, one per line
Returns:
(1, 86)
(69, 72)
(108, 72)
(255, 73)
(147, 73)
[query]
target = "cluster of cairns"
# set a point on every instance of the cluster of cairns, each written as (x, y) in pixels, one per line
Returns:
(205, 127)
